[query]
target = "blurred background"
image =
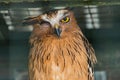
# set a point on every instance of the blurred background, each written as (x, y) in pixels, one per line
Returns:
(98, 19)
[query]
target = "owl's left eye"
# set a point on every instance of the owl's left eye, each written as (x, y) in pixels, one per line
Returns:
(65, 20)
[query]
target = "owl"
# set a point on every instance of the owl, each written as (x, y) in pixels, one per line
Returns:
(59, 50)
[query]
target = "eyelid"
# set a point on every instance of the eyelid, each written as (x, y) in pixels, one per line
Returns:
(65, 15)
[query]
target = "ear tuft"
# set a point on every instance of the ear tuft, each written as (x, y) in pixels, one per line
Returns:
(30, 21)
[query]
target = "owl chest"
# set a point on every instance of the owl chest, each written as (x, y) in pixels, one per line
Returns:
(58, 62)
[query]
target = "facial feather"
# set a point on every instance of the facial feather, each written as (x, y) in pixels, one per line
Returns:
(55, 17)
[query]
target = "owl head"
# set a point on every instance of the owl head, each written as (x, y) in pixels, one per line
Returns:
(57, 23)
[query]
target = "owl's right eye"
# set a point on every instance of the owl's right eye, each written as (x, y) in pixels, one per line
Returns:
(45, 24)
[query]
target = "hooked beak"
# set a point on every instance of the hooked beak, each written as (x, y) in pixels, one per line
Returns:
(57, 30)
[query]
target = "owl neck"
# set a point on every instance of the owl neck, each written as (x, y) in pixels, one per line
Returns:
(36, 38)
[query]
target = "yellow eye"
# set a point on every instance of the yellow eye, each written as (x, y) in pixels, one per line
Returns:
(65, 20)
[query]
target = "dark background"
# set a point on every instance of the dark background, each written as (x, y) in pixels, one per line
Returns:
(98, 19)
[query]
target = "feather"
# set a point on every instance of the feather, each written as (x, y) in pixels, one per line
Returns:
(67, 57)
(61, 59)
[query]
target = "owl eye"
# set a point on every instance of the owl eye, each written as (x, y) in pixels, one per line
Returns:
(65, 20)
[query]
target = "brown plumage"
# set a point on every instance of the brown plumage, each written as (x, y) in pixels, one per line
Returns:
(59, 50)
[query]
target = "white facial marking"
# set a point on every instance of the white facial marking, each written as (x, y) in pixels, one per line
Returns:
(54, 19)
(44, 17)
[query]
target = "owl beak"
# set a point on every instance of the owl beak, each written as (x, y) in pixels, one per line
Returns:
(57, 30)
